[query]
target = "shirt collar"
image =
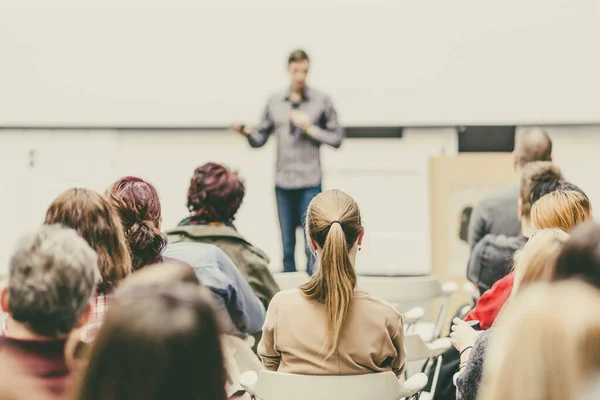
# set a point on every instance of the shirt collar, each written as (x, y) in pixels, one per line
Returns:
(306, 95)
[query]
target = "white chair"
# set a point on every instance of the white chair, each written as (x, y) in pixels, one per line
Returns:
(238, 356)
(417, 349)
(290, 280)
(268, 385)
(398, 289)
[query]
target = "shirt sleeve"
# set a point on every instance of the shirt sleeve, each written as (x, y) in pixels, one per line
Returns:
(267, 350)
(260, 135)
(491, 302)
(399, 363)
(329, 131)
(467, 383)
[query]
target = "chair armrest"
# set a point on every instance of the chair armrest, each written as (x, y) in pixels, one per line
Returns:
(413, 315)
(449, 288)
(439, 347)
(412, 385)
(471, 290)
(248, 381)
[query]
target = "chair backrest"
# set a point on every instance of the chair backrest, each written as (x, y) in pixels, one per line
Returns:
(282, 386)
(290, 280)
(396, 289)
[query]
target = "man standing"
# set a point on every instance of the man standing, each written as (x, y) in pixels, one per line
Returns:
(302, 119)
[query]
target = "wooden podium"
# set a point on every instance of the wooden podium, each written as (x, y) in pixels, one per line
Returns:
(457, 183)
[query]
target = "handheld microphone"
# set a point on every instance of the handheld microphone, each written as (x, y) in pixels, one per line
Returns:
(296, 131)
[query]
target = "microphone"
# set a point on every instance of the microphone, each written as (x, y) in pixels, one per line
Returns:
(296, 131)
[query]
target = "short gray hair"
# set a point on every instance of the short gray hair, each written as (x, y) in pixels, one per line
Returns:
(52, 275)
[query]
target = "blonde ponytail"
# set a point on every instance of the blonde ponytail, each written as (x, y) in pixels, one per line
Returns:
(334, 280)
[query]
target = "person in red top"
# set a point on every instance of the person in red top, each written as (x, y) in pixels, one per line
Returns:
(51, 278)
(490, 303)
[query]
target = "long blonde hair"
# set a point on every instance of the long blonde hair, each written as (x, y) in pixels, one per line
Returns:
(549, 344)
(561, 209)
(535, 261)
(333, 222)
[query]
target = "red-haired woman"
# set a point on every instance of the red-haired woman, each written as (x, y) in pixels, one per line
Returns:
(214, 197)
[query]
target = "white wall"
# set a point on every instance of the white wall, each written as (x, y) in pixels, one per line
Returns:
(198, 63)
(388, 177)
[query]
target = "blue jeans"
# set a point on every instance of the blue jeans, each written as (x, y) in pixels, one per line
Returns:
(291, 207)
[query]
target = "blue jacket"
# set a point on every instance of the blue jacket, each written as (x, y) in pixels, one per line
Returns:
(217, 272)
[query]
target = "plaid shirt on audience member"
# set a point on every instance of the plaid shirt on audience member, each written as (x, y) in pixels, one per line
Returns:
(99, 304)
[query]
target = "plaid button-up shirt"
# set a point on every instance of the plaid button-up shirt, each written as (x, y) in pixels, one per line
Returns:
(99, 304)
(298, 155)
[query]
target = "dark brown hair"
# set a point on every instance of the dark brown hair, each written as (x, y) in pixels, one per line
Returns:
(176, 355)
(297, 56)
(215, 194)
(533, 174)
(92, 216)
(580, 256)
(139, 208)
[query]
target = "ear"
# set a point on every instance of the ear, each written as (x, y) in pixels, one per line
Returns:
(85, 316)
(360, 237)
(521, 212)
(314, 246)
(4, 298)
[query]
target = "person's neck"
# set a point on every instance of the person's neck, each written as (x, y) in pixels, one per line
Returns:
(526, 228)
(16, 330)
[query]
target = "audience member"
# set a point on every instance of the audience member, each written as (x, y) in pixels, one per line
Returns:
(139, 209)
(580, 257)
(138, 355)
(491, 258)
(497, 213)
(214, 197)
(548, 347)
(234, 349)
(97, 222)
(328, 326)
(491, 302)
(560, 209)
(532, 264)
(552, 262)
(51, 279)
(137, 201)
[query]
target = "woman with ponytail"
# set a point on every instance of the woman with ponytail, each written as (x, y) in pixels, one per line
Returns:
(328, 326)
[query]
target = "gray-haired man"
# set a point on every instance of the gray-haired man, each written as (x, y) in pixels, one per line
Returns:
(51, 278)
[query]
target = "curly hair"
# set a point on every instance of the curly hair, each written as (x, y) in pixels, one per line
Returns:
(139, 209)
(215, 194)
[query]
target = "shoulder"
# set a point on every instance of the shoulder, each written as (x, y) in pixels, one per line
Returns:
(376, 303)
(288, 295)
(498, 197)
(499, 243)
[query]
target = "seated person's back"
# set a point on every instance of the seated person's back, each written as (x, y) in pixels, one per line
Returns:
(370, 341)
(52, 275)
(328, 326)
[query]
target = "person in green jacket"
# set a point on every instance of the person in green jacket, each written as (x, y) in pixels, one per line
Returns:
(214, 197)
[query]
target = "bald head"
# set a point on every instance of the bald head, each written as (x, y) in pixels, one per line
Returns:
(534, 144)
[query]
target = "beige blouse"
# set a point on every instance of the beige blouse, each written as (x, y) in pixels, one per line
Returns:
(293, 340)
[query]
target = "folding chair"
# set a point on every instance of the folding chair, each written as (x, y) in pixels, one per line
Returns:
(397, 290)
(268, 385)
(417, 350)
